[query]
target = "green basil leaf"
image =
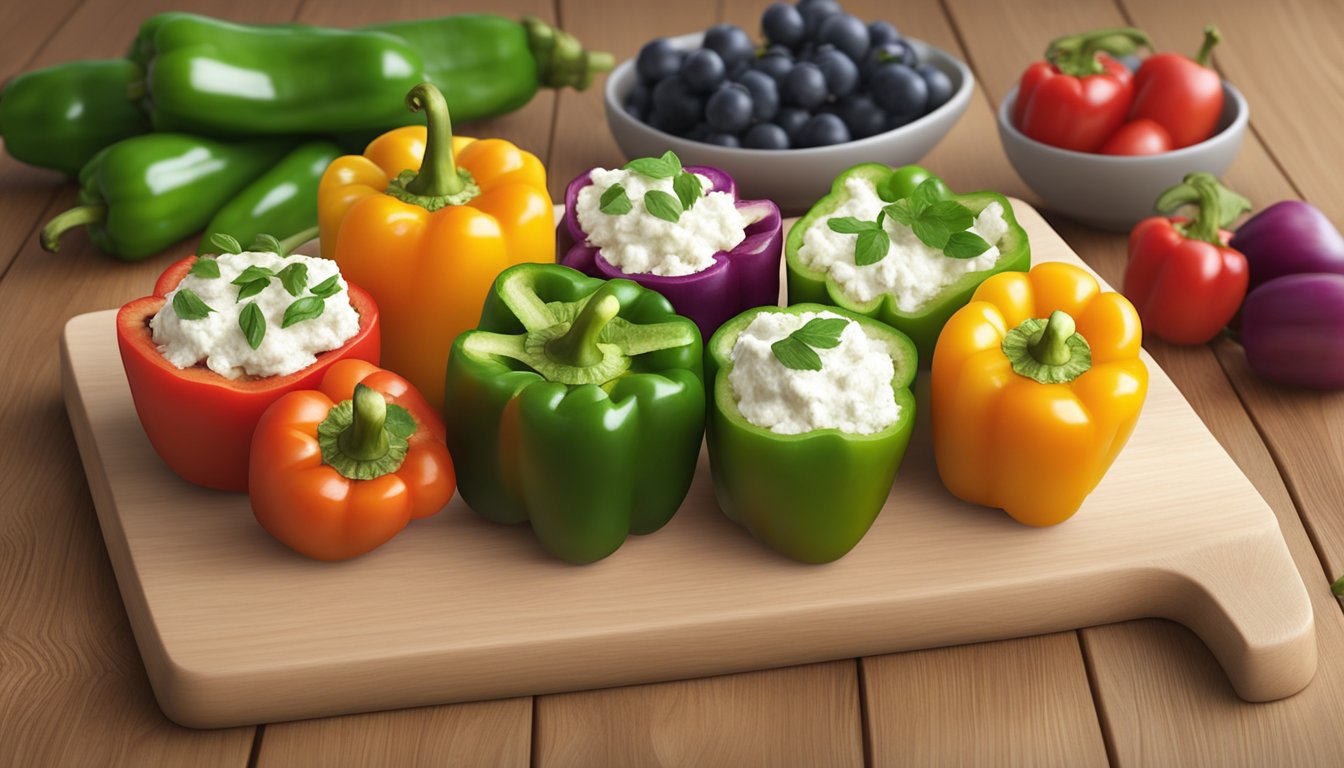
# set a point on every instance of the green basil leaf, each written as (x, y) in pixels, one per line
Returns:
(248, 290)
(252, 273)
(871, 247)
(399, 421)
(614, 201)
(664, 167)
(295, 278)
(253, 324)
(924, 196)
(954, 216)
(821, 332)
(327, 288)
(848, 225)
(794, 354)
(306, 308)
(204, 268)
(965, 245)
(189, 306)
(688, 188)
(672, 161)
(268, 244)
(931, 232)
(225, 243)
(900, 211)
(662, 205)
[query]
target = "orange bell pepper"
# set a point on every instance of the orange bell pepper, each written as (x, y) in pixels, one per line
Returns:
(1037, 385)
(337, 471)
(427, 239)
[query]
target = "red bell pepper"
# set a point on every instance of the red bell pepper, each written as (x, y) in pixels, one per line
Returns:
(1185, 96)
(1184, 280)
(1079, 95)
(199, 422)
(1138, 137)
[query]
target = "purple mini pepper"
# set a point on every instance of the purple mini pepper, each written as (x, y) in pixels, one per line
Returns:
(745, 277)
(1293, 330)
(1288, 238)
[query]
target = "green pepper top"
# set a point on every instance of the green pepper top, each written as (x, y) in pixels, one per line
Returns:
(806, 284)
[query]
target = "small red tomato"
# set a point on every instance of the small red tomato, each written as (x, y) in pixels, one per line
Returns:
(1139, 137)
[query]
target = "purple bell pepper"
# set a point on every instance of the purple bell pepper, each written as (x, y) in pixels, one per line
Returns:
(1293, 330)
(1288, 238)
(745, 277)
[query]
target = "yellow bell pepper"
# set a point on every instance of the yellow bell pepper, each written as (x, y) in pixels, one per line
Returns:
(1037, 385)
(427, 240)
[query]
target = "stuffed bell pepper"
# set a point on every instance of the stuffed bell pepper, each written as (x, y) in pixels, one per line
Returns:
(809, 418)
(1037, 385)
(428, 238)
(680, 231)
(577, 406)
(221, 339)
(909, 257)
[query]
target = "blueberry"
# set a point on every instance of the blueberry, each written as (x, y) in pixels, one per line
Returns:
(731, 43)
(658, 59)
(846, 33)
(862, 116)
(729, 109)
(774, 65)
(940, 85)
(840, 71)
(898, 52)
(900, 91)
(782, 23)
(791, 119)
(804, 86)
(766, 136)
(700, 132)
(703, 71)
(738, 68)
(679, 106)
(764, 93)
(722, 139)
(880, 32)
(638, 102)
(816, 12)
(822, 130)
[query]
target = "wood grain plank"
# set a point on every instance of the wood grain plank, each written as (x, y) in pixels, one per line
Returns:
(28, 26)
(1155, 683)
(72, 687)
(805, 715)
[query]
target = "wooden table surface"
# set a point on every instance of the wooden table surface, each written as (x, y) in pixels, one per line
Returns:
(73, 690)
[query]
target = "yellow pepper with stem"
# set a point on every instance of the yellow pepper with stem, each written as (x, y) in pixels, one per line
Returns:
(425, 221)
(1037, 385)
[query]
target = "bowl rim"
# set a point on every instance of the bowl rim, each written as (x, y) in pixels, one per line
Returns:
(954, 105)
(1240, 118)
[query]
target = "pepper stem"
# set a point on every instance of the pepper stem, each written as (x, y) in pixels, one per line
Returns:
(79, 216)
(1217, 205)
(1212, 37)
(366, 437)
(1050, 345)
(561, 58)
(578, 346)
(438, 175)
(288, 245)
(1076, 55)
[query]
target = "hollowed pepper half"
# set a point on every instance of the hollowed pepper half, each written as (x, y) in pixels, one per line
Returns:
(578, 406)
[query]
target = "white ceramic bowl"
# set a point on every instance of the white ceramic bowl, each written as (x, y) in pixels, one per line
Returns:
(1114, 192)
(793, 178)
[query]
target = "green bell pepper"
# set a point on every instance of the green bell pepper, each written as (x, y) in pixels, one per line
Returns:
(59, 117)
(282, 202)
(923, 325)
(577, 405)
(809, 496)
(143, 194)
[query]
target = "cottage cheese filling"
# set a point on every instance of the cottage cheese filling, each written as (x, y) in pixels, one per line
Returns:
(217, 340)
(639, 243)
(852, 391)
(912, 272)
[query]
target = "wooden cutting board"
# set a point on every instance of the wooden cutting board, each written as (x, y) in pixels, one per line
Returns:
(234, 628)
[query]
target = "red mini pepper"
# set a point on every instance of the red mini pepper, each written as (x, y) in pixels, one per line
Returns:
(1079, 95)
(340, 469)
(1183, 95)
(1184, 280)
(199, 422)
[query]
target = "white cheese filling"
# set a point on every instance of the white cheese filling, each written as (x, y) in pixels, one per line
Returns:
(911, 271)
(217, 340)
(637, 242)
(852, 391)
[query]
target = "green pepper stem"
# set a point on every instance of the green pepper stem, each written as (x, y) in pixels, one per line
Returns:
(79, 216)
(561, 58)
(1216, 205)
(366, 438)
(438, 175)
(1050, 345)
(1076, 55)
(1212, 37)
(288, 245)
(578, 346)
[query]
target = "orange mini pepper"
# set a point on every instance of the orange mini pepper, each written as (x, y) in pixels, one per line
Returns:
(337, 471)
(427, 239)
(1037, 385)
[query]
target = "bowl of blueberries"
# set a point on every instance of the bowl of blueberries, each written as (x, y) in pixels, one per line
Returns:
(822, 92)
